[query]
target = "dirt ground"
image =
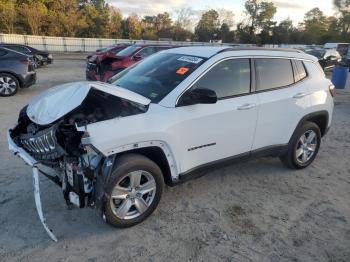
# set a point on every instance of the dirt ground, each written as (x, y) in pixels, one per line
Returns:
(253, 211)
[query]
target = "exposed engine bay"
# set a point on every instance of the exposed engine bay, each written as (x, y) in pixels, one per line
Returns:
(49, 143)
(59, 147)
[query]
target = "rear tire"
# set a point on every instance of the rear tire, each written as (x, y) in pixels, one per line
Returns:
(303, 146)
(133, 190)
(8, 84)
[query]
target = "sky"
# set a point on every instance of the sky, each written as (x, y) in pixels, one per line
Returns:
(294, 9)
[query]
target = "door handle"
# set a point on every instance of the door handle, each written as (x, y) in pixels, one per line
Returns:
(300, 95)
(246, 106)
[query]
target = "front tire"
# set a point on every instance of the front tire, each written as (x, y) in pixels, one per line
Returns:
(133, 191)
(8, 85)
(303, 146)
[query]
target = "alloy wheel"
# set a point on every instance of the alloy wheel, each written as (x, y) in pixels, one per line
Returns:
(306, 147)
(7, 85)
(133, 194)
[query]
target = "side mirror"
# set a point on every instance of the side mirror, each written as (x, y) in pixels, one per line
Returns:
(137, 57)
(199, 96)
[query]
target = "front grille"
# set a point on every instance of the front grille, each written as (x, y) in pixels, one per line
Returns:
(43, 145)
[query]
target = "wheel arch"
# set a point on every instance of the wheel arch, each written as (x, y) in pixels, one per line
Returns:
(320, 118)
(20, 81)
(157, 151)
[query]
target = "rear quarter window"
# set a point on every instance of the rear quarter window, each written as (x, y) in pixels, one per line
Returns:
(300, 71)
(273, 73)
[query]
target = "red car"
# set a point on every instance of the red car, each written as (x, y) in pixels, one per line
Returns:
(124, 58)
(97, 61)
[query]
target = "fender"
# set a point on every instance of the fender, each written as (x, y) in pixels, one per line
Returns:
(311, 117)
(153, 143)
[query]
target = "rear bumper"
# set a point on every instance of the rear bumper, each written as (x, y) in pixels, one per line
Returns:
(29, 79)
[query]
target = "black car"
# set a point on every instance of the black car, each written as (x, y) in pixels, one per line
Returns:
(16, 71)
(40, 57)
(328, 58)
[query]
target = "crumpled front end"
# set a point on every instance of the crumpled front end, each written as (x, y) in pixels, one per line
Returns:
(53, 145)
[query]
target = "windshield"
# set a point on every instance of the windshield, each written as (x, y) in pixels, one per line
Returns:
(158, 75)
(317, 53)
(129, 50)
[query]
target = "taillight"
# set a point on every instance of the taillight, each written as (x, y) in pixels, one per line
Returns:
(25, 61)
(332, 90)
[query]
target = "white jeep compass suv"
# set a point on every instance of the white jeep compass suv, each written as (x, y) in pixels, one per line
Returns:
(169, 118)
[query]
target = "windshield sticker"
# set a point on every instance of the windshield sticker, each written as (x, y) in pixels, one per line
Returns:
(182, 70)
(190, 59)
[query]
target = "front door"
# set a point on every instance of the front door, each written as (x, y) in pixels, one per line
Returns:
(205, 133)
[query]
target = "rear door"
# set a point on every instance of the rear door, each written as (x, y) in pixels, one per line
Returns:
(283, 98)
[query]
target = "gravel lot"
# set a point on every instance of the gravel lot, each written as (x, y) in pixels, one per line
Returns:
(253, 211)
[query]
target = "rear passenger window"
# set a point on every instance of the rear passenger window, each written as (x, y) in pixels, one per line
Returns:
(300, 72)
(273, 73)
(228, 78)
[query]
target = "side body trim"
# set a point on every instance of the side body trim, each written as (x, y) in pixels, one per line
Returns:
(201, 170)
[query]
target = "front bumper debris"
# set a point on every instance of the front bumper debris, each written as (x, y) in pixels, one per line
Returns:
(20, 152)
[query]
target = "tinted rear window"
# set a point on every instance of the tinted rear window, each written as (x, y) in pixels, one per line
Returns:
(273, 73)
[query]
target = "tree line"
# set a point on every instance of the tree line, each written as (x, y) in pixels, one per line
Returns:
(95, 18)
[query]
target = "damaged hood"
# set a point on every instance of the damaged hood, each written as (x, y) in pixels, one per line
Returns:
(60, 100)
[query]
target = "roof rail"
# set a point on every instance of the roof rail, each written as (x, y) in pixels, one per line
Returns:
(240, 48)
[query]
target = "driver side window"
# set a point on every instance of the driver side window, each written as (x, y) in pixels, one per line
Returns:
(228, 78)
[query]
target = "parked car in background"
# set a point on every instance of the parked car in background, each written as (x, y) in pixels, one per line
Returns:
(16, 71)
(97, 61)
(125, 58)
(328, 58)
(40, 57)
(170, 118)
(106, 51)
(342, 48)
